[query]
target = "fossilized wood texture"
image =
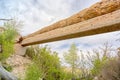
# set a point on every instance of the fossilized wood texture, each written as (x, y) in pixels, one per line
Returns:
(101, 24)
(100, 8)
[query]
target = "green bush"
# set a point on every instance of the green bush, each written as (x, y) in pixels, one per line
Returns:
(46, 63)
(8, 67)
(7, 41)
(30, 52)
(98, 65)
(32, 72)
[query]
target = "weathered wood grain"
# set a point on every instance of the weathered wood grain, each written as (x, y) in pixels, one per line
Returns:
(101, 24)
(98, 9)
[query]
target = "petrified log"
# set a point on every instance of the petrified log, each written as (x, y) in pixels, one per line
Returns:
(100, 8)
(102, 24)
(5, 75)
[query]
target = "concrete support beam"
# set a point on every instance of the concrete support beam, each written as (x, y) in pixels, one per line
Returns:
(101, 24)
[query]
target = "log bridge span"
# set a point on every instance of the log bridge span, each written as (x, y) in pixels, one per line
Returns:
(101, 17)
(101, 24)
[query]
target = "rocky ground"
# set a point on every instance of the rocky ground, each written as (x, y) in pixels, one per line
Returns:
(19, 65)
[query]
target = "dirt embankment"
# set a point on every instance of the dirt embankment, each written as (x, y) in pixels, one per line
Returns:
(19, 65)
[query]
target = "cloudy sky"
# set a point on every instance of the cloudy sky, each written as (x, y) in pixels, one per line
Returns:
(36, 14)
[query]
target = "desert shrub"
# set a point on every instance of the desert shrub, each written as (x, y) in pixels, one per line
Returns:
(98, 64)
(7, 67)
(46, 62)
(110, 71)
(32, 72)
(90, 66)
(100, 58)
(71, 58)
(65, 75)
(7, 41)
(30, 52)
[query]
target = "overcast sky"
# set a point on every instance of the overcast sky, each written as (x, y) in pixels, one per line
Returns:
(36, 14)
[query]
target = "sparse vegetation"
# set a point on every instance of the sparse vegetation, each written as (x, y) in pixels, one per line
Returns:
(46, 65)
(40, 62)
(86, 67)
(7, 39)
(72, 59)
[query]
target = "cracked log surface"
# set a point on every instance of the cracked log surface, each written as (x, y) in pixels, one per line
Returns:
(98, 9)
(101, 24)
